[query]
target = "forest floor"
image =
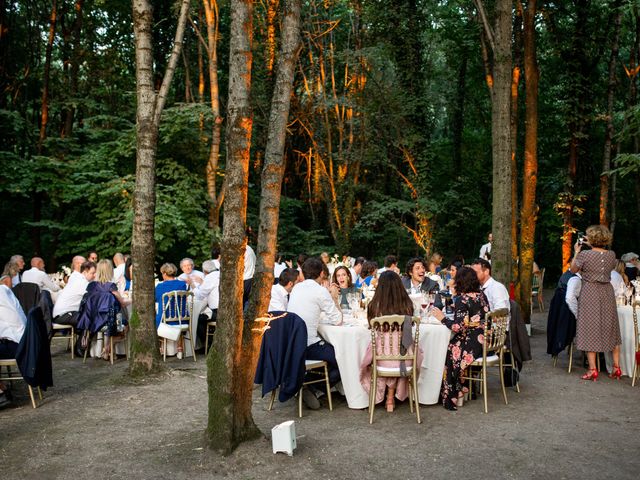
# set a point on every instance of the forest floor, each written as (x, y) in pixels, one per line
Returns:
(96, 425)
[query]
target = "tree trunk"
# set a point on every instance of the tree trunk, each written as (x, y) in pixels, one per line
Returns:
(44, 119)
(144, 356)
(608, 139)
(501, 143)
(530, 171)
(272, 8)
(273, 169)
(458, 115)
(76, 29)
(230, 421)
(212, 19)
(515, 84)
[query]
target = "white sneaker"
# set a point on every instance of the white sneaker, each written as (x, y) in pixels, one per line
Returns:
(179, 355)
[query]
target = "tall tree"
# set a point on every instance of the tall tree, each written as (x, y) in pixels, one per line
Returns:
(230, 421)
(498, 38)
(274, 162)
(529, 210)
(144, 352)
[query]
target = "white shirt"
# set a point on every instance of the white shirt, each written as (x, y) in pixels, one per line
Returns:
(209, 289)
(12, 318)
(313, 303)
(249, 263)
(574, 286)
(354, 275)
(40, 278)
(71, 295)
(618, 283)
(118, 272)
(484, 250)
(438, 279)
(278, 268)
(15, 280)
(194, 273)
(496, 294)
(279, 300)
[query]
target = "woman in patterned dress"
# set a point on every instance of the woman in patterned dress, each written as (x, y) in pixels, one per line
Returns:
(467, 326)
(597, 327)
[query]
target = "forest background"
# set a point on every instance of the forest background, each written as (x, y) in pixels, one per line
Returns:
(389, 145)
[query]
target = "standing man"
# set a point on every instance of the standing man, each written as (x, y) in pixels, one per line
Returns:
(118, 267)
(496, 292)
(249, 269)
(37, 275)
(485, 250)
(316, 304)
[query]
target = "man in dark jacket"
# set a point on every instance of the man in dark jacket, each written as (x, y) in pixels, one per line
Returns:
(416, 279)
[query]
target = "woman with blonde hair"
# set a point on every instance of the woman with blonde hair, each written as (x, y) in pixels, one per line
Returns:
(597, 327)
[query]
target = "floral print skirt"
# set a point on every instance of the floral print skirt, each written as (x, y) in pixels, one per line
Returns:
(463, 349)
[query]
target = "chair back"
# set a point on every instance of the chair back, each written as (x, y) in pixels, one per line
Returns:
(390, 347)
(177, 306)
(495, 330)
(636, 332)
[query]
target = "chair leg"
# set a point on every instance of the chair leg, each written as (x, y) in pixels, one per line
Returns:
(86, 350)
(300, 403)
(414, 384)
(570, 356)
(555, 361)
(206, 342)
(33, 400)
(410, 398)
(40, 393)
(73, 343)
(326, 377)
(193, 344)
(111, 349)
(484, 386)
(372, 392)
(635, 371)
(273, 397)
(164, 349)
(504, 390)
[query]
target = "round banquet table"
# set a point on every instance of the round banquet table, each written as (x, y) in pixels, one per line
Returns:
(628, 347)
(350, 344)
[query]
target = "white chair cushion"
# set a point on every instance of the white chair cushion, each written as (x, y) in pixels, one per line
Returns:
(392, 369)
(492, 360)
(313, 363)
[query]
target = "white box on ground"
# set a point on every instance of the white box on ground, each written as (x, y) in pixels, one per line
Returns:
(283, 437)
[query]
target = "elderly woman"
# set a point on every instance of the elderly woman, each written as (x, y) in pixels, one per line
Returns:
(390, 298)
(467, 328)
(342, 279)
(597, 327)
(169, 284)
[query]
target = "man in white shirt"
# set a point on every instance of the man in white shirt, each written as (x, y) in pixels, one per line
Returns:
(496, 292)
(249, 270)
(485, 250)
(65, 311)
(316, 304)
(574, 285)
(209, 288)
(12, 323)
(37, 275)
(281, 290)
(356, 269)
(189, 274)
(119, 266)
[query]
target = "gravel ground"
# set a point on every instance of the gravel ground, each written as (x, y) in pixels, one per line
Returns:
(95, 424)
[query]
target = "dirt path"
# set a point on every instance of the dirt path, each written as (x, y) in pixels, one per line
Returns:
(93, 425)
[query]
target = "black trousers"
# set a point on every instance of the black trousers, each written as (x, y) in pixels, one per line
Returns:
(69, 318)
(8, 349)
(324, 351)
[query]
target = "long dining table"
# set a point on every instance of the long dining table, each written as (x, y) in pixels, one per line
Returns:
(350, 342)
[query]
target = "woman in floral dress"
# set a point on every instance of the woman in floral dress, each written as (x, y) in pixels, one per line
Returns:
(467, 327)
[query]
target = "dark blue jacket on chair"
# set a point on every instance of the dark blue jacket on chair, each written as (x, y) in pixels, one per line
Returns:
(282, 356)
(99, 308)
(33, 354)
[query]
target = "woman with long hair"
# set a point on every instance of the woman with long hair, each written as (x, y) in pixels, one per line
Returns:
(597, 327)
(390, 298)
(467, 329)
(342, 279)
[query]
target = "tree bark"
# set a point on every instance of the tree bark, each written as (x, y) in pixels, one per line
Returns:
(144, 356)
(501, 143)
(609, 133)
(74, 70)
(230, 421)
(274, 164)
(44, 116)
(530, 171)
(515, 84)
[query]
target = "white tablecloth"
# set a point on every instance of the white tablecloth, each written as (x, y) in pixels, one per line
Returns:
(350, 344)
(628, 347)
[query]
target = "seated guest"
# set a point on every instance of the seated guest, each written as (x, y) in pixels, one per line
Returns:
(280, 291)
(300, 259)
(467, 328)
(619, 279)
(93, 256)
(189, 275)
(316, 304)
(433, 274)
(415, 278)
(436, 258)
(496, 292)
(631, 264)
(37, 275)
(128, 276)
(215, 256)
(103, 306)
(367, 274)
(65, 310)
(169, 284)
(209, 288)
(12, 325)
(356, 269)
(390, 263)
(10, 271)
(18, 265)
(278, 267)
(390, 299)
(451, 271)
(342, 279)
(119, 263)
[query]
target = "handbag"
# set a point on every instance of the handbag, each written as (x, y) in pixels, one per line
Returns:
(170, 332)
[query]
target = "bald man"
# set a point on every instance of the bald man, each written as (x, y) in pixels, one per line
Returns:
(118, 264)
(37, 275)
(76, 263)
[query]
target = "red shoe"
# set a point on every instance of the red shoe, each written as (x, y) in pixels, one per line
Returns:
(616, 372)
(590, 375)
